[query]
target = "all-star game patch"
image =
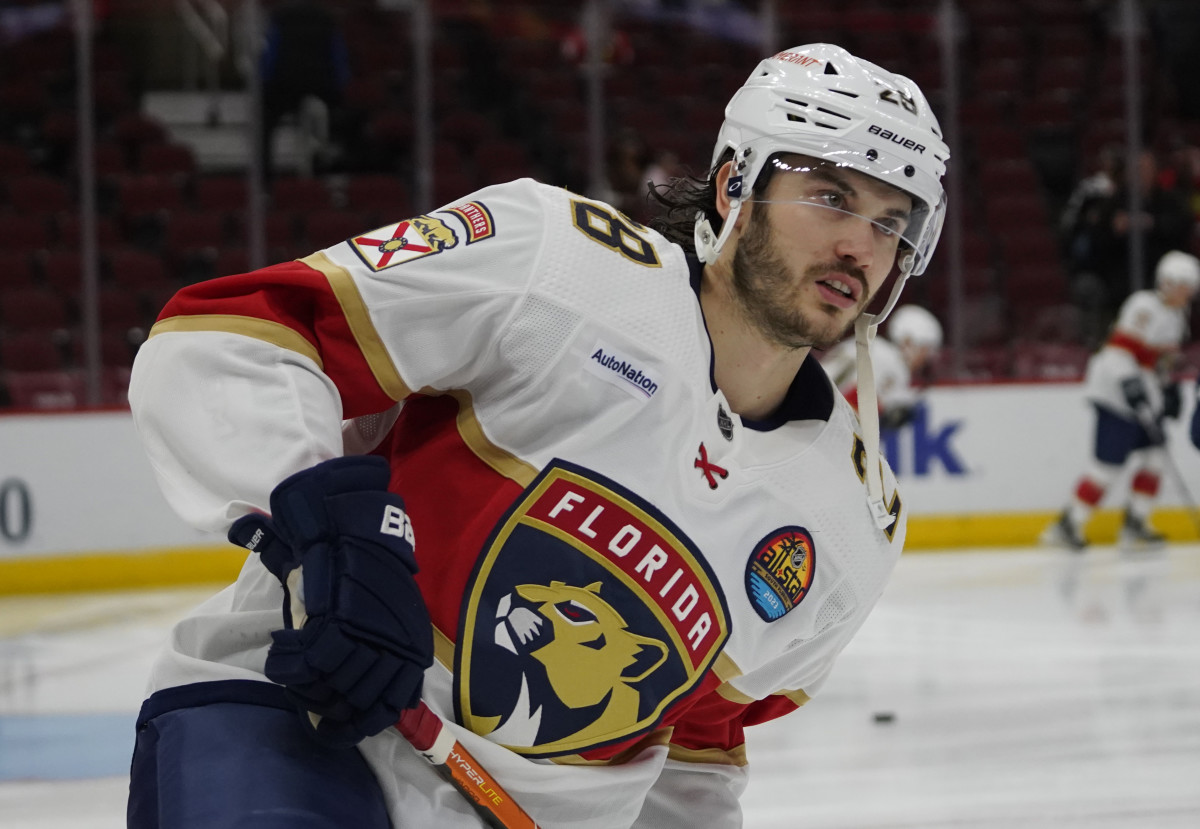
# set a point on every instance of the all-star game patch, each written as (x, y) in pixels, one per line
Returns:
(780, 571)
(422, 236)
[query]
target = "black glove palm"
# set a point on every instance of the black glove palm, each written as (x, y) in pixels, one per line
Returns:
(358, 657)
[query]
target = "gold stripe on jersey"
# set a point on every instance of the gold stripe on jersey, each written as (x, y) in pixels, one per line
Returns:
(725, 668)
(727, 691)
(359, 320)
(443, 649)
(469, 429)
(735, 756)
(798, 697)
(658, 737)
(270, 332)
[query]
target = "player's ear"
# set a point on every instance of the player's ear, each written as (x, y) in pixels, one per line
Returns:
(727, 191)
(723, 173)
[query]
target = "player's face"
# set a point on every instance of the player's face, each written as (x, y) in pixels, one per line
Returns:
(815, 251)
(917, 356)
(1178, 294)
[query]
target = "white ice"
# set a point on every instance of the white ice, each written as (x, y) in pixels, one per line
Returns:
(1013, 705)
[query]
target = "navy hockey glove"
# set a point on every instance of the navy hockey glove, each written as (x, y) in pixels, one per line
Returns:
(358, 657)
(896, 417)
(1172, 400)
(1134, 391)
(1135, 395)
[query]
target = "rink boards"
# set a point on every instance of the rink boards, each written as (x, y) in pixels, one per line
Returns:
(983, 465)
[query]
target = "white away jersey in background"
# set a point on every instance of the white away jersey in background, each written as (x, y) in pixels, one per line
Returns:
(621, 572)
(893, 380)
(1145, 331)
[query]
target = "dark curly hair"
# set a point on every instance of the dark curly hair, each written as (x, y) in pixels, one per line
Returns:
(682, 197)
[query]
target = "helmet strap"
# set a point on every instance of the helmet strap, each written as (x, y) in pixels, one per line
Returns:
(865, 328)
(709, 244)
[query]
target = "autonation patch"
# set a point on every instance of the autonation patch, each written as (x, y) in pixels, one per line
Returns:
(611, 365)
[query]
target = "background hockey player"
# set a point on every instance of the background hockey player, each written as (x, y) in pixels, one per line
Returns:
(914, 337)
(609, 558)
(1131, 387)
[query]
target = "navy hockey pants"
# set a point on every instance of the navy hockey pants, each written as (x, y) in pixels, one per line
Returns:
(234, 755)
(1117, 437)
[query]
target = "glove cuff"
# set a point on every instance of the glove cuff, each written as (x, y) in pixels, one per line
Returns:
(256, 534)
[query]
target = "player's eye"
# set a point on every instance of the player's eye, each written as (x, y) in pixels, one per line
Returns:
(832, 198)
(891, 226)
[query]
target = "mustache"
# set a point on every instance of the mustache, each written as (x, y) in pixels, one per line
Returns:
(844, 268)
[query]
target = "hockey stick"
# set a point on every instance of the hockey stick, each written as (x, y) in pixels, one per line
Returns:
(1152, 427)
(433, 741)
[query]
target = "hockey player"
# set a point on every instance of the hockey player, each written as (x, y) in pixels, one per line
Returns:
(637, 517)
(1128, 382)
(914, 337)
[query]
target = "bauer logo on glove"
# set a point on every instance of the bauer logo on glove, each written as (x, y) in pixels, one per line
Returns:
(357, 656)
(395, 522)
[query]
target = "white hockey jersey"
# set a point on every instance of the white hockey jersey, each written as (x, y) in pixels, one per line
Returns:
(536, 369)
(893, 379)
(1146, 330)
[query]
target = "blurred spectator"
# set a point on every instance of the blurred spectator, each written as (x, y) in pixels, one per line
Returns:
(305, 57)
(664, 167)
(21, 20)
(1100, 243)
(1081, 226)
(634, 167)
(628, 160)
(1181, 173)
(1175, 26)
(1165, 219)
(618, 48)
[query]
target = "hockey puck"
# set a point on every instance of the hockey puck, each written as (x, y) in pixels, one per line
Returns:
(885, 716)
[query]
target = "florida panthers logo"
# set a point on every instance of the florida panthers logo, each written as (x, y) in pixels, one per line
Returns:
(591, 660)
(627, 623)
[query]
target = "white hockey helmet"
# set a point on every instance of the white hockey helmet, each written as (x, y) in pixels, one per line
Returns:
(914, 324)
(1177, 268)
(820, 101)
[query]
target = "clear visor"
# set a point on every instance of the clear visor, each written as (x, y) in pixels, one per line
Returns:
(859, 201)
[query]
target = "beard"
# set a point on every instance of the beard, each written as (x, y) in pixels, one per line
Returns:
(769, 295)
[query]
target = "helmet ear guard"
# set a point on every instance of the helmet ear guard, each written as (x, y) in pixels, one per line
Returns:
(708, 242)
